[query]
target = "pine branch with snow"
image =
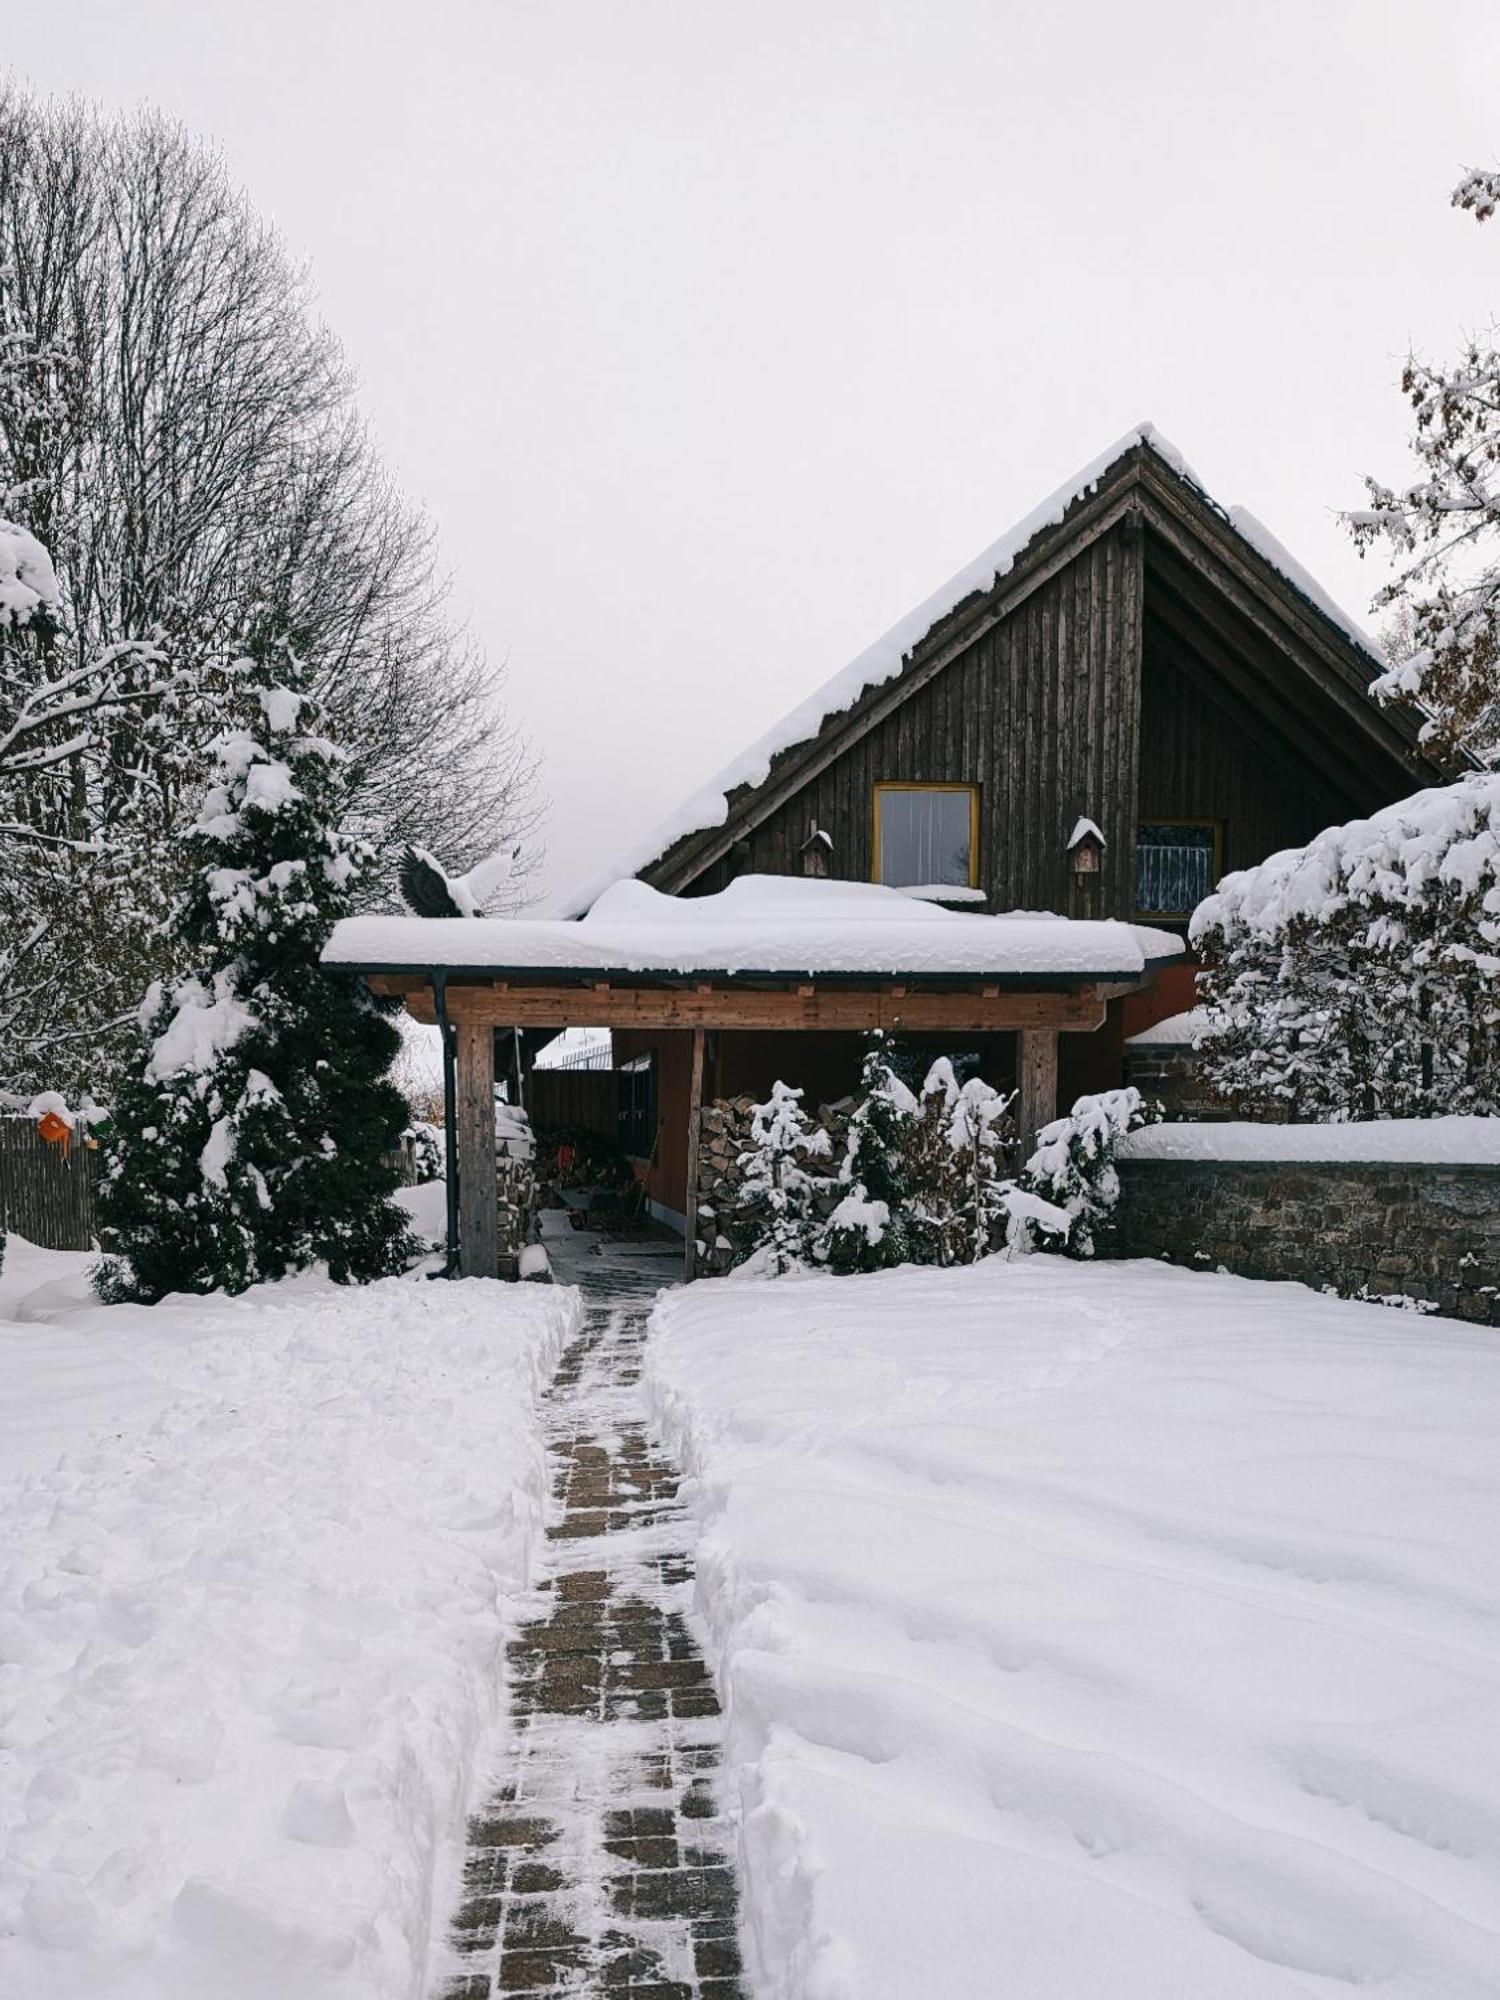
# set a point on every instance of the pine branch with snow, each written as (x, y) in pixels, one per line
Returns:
(1072, 1170)
(778, 1191)
(875, 1229)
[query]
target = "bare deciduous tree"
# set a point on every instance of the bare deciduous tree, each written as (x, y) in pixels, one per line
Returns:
(178, 429)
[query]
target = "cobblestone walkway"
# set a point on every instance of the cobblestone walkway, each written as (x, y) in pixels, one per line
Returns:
(599, 1864)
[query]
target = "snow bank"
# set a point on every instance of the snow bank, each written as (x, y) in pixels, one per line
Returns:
(251, 1624)
(889, 654)
(1444, 1142)
(1098, 1630)
(760, 923)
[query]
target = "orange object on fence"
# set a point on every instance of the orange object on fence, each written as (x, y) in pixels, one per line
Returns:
(55, 1130)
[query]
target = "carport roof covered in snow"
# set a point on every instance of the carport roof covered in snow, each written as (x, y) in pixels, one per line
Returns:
(762, 929)
(765, 953)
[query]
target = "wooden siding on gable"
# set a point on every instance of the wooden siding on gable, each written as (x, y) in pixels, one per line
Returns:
(1200, 760)
(1040, 713)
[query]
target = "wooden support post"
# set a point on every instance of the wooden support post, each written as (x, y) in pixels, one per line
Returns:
(1036, 1076)
(695, 1132)
(478, 1195)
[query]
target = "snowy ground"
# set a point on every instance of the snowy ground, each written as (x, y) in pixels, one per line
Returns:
(1099, 1630)
(254, 1564)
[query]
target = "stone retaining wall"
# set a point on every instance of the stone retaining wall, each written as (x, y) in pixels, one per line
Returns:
(1373, 1230)
(1169, 1074)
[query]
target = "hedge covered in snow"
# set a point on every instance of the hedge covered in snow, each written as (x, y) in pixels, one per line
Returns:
(1356, 977)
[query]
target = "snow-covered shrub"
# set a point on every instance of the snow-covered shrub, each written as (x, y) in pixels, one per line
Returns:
(1073, 1169)
(956, 1168)
(423, 1144)
(778, 1193)
(857, 1236)
(1356, 977)
(254, 1131)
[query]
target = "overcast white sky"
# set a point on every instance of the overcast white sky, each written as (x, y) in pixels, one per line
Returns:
(716, 335)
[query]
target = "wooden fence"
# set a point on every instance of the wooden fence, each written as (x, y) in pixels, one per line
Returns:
(578, 1100)
(45, 1197)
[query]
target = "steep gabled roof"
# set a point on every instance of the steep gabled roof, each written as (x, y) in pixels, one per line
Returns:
(837, 706)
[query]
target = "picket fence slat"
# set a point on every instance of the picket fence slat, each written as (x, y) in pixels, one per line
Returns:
(45, 1197)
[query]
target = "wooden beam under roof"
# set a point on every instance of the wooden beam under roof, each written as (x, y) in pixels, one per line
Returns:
(503, 1006)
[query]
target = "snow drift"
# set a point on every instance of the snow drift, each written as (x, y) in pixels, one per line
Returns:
(1098, 1630)
(252, 1623)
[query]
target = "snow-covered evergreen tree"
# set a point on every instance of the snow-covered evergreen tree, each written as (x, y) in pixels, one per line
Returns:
(252, 1135)
(178, 433)
(778, 1191)
(1073, 1170)
(874, 1171)
(1443, 530)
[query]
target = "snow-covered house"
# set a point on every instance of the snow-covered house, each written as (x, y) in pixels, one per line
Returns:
(1131, 692)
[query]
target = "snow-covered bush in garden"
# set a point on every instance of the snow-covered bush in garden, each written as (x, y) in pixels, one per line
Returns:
(778, 1192)
(1073, 1169)
(874, 1173)
(424, 1148)
(957, 1160)
(1359, 976)
(253, 1132)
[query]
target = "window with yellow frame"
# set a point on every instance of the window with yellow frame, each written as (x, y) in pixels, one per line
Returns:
(926, 836)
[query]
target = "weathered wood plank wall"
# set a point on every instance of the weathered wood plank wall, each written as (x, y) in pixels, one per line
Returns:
(45, 1198)
(1040, 713)
(1201, 760)
(578, 1100)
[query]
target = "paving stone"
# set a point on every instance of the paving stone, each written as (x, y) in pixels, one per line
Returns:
(568, 1891)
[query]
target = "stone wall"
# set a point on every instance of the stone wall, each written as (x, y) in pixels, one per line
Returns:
(1168, 1074)
(1370, 1230)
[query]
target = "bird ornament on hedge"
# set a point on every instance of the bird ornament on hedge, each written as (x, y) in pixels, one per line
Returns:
(428, 890)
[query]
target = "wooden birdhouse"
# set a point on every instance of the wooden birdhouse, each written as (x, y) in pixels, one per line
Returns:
(1085, 853)
(817, 852)
(1086, 848)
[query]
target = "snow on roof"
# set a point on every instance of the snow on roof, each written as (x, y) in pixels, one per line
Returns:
(1281, 559)
(781, 924)
(1459, 1141)
(1085, 829)
(885, 659)
(1177, 1031)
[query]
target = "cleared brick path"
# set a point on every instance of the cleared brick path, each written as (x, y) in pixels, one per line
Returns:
(599, 1863)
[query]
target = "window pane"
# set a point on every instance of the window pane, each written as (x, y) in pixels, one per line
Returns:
(1174, 868)
(924, 838)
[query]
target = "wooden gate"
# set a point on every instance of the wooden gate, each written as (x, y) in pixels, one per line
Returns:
(45, 1197)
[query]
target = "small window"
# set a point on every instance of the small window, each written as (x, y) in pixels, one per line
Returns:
(1176, 866)
(636, 1106)
(927, 836)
